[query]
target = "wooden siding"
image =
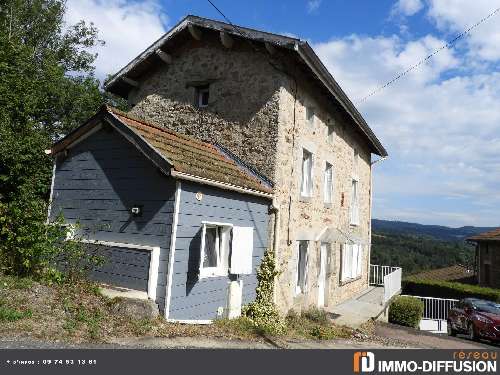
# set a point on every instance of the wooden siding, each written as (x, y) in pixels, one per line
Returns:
(198, 299)
(97, 184)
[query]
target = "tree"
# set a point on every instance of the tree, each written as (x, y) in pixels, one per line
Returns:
(47, 88)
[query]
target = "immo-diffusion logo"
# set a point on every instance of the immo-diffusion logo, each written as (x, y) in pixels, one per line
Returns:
(475, 362)
(364, 362)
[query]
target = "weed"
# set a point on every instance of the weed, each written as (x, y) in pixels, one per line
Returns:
(8, 314)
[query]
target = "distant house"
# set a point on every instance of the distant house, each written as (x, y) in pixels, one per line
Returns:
(488, 257)
(280, 148)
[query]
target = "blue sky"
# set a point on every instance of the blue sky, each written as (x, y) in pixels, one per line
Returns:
(440, 123)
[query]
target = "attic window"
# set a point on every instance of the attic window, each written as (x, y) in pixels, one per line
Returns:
(202, 96)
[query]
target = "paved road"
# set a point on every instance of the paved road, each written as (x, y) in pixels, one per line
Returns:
(427, 340)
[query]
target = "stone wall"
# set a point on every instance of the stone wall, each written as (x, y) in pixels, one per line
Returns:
(305, 219)
(243, 103)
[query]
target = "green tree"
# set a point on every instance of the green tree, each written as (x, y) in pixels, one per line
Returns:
(47, 88)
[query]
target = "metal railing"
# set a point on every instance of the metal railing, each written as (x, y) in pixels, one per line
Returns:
(387, 276)
(377, 273)
(436, 308)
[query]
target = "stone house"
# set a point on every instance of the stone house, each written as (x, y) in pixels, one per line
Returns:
(273, 106)
(487, 258)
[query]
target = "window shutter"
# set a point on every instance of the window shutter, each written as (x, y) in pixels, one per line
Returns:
(354, 264)
(360, 260)
(242, 249)
(344, 275)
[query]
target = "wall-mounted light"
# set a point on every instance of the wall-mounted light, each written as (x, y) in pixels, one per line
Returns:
(136, 210)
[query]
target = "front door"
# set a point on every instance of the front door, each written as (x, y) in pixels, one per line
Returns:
(322, 274)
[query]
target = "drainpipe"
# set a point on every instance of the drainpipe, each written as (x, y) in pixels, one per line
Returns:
(370, 211)
(276, 237)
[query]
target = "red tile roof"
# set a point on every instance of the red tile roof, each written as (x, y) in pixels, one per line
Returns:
(453, 273)
(183, 153)
(492, 235)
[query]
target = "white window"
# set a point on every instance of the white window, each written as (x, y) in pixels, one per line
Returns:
(301, 284)
(330, 131)
(225, 249)
(202, 96)
(355, 163)
(354, 203)
(310, 115)
(352, 261)
(328, 184)
(306, 183)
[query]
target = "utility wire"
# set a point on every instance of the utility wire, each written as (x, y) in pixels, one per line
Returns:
(444, 46)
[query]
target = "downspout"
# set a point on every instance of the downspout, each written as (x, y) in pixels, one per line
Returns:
(276, 237)
(370, 216)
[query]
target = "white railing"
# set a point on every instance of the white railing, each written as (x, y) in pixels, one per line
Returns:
(435, 313)
(387, 276)
(377, 273)
(436, 308)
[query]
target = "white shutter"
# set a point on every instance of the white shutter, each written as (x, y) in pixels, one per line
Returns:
(354, 264)
(344, 274)
(242, 249)
(360, 260)
(202, 248)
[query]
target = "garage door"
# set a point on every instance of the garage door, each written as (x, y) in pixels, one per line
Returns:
(125, 267)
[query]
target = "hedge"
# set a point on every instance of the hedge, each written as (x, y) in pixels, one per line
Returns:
(406, 311)
(446, 289)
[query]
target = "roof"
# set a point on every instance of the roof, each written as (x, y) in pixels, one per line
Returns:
(301, 49)
(492, 235)
(456, 273)
(185, 155)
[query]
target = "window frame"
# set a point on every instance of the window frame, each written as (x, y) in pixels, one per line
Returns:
(328, 201)
(301, 284)
(354, 207)
(310, 115)
(309, 193)
(355, 270)
(199, 91)
(330, 131)
(223, 248)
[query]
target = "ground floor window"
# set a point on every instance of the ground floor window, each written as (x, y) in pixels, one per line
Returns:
(300, 286)
(352, 261)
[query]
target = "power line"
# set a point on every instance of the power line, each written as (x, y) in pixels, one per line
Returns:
(444, 46)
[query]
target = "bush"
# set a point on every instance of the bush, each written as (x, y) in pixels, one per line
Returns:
(263, 312)
(406, 311)
(446, 289)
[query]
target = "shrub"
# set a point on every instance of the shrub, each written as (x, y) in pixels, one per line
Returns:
(446, 289)
(263, 312)
(406, 311)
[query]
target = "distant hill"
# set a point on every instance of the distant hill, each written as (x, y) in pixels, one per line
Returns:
(437, 231)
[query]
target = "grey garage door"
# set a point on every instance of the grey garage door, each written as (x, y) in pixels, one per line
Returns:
(125, 267)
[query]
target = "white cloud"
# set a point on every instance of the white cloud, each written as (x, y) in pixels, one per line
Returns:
(440, 124)
(407, 7)
(313, 5)
(455, 16)
(127, 27)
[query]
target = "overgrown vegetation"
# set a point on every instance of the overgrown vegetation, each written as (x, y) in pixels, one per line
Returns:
(47, 88)
(445, 289)
(416, 253)
(263, 312)
(406, 311)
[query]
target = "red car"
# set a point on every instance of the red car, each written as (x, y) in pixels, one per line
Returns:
(477, 318)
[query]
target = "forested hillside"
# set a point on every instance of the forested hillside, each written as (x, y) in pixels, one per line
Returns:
(416, 252)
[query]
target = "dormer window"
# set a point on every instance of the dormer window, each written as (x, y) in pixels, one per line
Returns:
(202, 96)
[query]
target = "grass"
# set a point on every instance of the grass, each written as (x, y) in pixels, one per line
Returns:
(12, 282)
(314, 324)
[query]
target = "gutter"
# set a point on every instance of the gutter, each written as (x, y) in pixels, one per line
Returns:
(222, 185)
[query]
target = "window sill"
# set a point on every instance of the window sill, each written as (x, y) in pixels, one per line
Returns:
(207, 275)
(349, 281)
(305, 199)
(328, 205)
(354, 224)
